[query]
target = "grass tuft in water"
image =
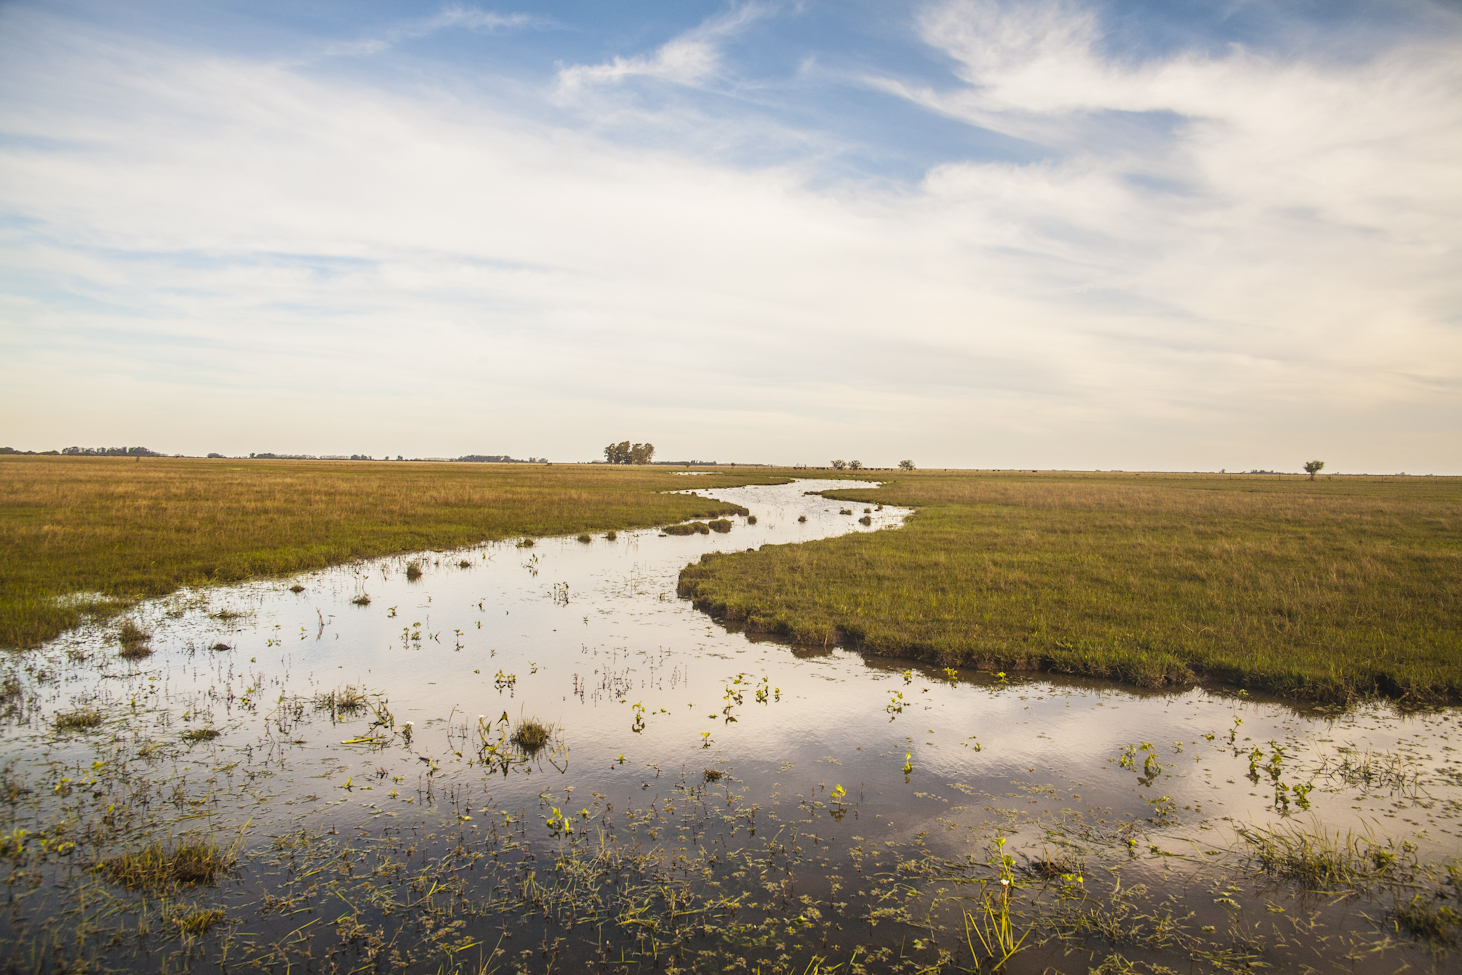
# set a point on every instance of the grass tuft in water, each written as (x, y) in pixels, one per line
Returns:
(194, 735)
(349, 699)
(585, 538)
(690, 528)
(136, 642)
(531, 735)
(199, 922)
(413, 570)
(714, 775)
(363, 599)
(1318, 859)
(721, 525)
(81, 720)
(167, 865)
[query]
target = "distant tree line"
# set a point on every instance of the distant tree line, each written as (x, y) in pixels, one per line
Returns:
(499, 459)
(628, 453)
(109, 452)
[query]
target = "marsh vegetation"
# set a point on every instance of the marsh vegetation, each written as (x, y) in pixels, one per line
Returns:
(1331, 589)
(312, 785)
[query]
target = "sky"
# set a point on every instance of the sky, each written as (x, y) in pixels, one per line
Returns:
(1179, 235)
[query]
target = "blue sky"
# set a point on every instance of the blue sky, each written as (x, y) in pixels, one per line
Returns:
(1055, 234)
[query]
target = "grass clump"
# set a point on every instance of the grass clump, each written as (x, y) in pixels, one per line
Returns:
(136, 642)
(413, 570)
(118, 530)
(531, 735)
(163, 865)
(194, 735)
(1153, 580)
(363, 599)
(585, 538)
(346, 700)
(690, 528)
(199, 922)
(714, 775)
(721, 525)
(296, 588)
(84, 719)
(611, 535)
(1319, 860)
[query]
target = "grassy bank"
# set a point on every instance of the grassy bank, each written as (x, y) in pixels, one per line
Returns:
(1326, 589)
(125, 529)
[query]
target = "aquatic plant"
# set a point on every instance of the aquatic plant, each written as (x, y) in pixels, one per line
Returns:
(194, 735)
(721, 525)
(584, 537)
(363, 599)
(413, 570)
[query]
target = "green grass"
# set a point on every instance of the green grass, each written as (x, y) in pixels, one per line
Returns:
(116, 529)
(1330, 589)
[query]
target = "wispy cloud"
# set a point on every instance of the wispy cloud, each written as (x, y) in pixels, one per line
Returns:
(688, 59)
(456, 17)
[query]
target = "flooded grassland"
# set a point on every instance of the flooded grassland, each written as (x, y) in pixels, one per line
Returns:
(533, 757)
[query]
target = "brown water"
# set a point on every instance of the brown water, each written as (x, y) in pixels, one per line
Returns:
(705, 802)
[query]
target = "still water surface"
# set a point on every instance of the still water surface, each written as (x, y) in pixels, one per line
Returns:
(706, 801)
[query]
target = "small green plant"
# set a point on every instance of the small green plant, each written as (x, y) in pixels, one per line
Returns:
(990, 923)
(690, 528)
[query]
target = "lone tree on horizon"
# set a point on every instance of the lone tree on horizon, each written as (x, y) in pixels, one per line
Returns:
(628, 453)
(906, 465)
(1313, 467)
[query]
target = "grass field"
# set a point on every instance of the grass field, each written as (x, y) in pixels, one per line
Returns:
(1326, 590)
(124, 529)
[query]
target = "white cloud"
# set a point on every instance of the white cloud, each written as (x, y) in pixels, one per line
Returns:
(454, 16)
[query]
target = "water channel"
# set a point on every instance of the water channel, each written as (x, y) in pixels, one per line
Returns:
(705, 800)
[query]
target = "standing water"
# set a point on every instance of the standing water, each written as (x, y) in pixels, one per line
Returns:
(534, 756)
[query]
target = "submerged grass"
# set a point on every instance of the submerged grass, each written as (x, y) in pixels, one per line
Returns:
(1326, 589)
(119, 530)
